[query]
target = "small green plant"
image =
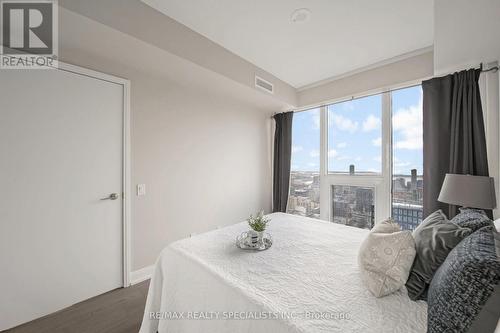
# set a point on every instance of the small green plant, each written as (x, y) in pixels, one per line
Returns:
(259, 222)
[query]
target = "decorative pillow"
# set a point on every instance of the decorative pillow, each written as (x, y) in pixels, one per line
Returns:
(434, 238)
(385, 258)
(471, 218)
(464, 283)
(386, 227)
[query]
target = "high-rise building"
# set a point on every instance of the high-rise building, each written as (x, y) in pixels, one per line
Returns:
(408, 216)
(413, 179)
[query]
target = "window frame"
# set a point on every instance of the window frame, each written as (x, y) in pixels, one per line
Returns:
(380, 182)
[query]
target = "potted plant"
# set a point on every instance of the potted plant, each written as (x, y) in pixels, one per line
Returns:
(258, 225)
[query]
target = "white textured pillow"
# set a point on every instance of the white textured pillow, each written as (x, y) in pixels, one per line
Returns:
(385, 258)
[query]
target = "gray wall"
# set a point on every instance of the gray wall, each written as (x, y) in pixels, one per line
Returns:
(200, 142)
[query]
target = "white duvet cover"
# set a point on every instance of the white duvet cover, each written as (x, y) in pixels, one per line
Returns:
(308, 281)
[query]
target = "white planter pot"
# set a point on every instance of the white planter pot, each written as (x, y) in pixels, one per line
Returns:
(256, 237)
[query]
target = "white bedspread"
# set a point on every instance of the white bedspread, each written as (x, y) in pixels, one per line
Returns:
(308, 281)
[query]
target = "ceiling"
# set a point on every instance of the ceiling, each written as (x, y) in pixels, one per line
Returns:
(340, 36)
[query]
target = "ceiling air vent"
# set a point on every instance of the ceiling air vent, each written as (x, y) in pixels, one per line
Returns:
(264, 85)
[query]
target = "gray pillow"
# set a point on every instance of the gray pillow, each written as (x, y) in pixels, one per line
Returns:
(464, 295)
(434, 238)
(471, 218)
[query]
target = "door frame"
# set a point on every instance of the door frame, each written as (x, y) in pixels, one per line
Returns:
(126, 165)
(126, 174)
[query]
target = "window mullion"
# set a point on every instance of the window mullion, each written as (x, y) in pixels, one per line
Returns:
(323, 169)
(383, 209)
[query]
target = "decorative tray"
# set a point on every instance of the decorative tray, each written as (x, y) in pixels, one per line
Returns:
(244, 242)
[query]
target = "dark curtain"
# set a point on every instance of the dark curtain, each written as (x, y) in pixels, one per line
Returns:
(454, 138)
(282, 158)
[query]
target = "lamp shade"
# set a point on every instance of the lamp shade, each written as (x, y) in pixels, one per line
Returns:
(468, 191)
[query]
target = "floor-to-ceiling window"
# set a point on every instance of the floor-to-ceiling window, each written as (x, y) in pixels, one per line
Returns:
(359, 161)
(354, 154)
(304, 178)
(407, 158)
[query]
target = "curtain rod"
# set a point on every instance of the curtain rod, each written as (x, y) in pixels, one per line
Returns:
(493, 69)
(351, 98)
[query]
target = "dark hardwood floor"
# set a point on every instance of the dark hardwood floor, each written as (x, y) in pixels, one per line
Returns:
(118, 311)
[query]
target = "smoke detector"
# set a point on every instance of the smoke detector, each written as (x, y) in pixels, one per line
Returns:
(300, 15)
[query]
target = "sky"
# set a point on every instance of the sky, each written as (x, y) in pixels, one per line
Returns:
(354, 134)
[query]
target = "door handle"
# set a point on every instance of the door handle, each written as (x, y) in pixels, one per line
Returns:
(112, 196)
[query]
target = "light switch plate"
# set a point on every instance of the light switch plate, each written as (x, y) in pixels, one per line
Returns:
(141, 189)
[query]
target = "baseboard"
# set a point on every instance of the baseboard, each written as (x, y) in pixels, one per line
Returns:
(142, 274)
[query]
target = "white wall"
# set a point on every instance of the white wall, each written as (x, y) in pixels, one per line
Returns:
(490, 92)
(384, 76)
(466, 34)
(137, 19)
(200, 141)
(203, 158)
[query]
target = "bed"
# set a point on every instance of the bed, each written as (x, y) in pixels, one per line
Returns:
(308, 281)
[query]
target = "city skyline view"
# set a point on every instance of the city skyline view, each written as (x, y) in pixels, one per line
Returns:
(351, 206)
(354, 135)
(355, 147)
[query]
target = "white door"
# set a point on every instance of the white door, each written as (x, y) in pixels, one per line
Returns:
(61, 152)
